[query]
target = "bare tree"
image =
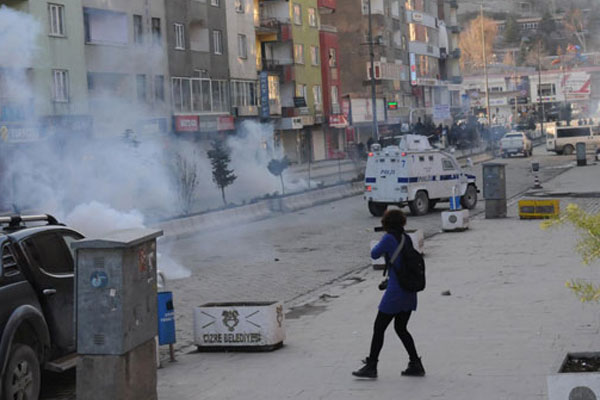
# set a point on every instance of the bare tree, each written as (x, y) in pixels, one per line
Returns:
(575, 25)
(186, 175)
(471, 43)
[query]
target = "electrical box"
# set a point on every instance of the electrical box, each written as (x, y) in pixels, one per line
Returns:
(494, 181)
(116, 291)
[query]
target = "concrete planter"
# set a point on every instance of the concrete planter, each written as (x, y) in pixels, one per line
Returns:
(574, 385)
(248, 326)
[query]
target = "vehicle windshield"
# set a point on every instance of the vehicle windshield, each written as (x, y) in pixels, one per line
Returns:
(514, 135)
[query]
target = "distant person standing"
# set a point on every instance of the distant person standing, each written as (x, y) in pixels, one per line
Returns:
(396, 304)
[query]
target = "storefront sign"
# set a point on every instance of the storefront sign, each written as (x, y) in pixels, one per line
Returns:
(413, 69)
(441, 112)
(307, 120)
(187, 123)
(299, 102)
(19, 133)
(79, 125)
(338, 121)
(265, 110)
(417, 17)
(290, 123)
(225, 123)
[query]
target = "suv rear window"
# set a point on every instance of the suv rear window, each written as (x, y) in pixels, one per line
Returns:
(48, 251)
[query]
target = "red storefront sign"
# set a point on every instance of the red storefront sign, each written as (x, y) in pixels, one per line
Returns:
(338, 121)
(186, 123)
(225, 123)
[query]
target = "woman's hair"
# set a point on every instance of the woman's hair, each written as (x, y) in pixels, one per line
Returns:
(393, 220)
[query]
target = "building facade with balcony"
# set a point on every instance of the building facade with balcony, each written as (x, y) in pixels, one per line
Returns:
(43, 89)
(394, 97)
(126, 57)
(241, 39)
(198, 54)
(335, 123)
(289, 52)
(433, 46)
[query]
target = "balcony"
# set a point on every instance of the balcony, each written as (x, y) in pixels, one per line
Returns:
(273, 29)
(326, 6)
(453, 3)
(284, 68)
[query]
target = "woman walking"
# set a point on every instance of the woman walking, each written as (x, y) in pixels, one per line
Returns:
(396, 304)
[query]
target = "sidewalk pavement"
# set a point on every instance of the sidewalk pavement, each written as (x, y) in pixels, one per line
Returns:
(577, 181)
(506, 325)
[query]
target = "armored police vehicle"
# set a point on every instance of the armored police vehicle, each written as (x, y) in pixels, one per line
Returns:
(416, 174)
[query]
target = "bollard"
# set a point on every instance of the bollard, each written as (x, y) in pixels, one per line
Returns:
(535, 167)
(581, 154)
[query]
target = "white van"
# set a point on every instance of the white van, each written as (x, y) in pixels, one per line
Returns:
(564, 138)
(414, 173)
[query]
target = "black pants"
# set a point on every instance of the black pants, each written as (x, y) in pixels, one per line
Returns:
(400, 323)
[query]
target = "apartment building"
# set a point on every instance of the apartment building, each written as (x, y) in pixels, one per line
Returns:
(335, 123)
(198, 54)
(433, 55)
(51, 94)
(394, 97)
(125, 52)
(289, 49)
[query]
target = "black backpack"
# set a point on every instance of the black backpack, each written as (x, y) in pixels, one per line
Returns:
(411, 276)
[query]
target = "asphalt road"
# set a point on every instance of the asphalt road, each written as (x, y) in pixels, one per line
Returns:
(294, 257)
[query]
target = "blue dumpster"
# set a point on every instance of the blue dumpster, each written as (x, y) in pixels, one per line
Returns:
(166, 318)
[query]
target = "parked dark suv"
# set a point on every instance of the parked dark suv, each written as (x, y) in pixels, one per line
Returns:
(36, 302)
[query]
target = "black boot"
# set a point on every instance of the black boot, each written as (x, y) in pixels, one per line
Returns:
(369, 370)
(415, 368)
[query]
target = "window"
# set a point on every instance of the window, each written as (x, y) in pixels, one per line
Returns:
(301, 90)
(572, 132)
(140, 81)
(105, 27)
(138, 29)
(179, 36)
(317, 95)
(547, 89)
(447, 165)
(156, 32)
(297, 14)
(332, 58)
(159, 88)
(312, 17)
(199, 95)
(49, 253)
(239, 6)
(60, 85)
(242, 46)
(314, 55)
(218, 42)
(216, 3)
(56, 13)
(334, 96)
(299, 53)
(244, 93)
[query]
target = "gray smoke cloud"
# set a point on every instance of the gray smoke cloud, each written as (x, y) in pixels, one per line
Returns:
(114, 182)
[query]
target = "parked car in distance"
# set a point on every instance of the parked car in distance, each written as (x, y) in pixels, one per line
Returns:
(515, 142)
(564, 139)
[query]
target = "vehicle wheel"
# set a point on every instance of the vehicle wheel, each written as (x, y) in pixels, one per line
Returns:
(420, 205)
(377, 209)
(568, 150)
(469, 199)
(432, 204)
(22, 377)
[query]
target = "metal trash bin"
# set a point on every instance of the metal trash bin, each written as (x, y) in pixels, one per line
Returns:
(494, 190)
(581, 154)
(166, 318)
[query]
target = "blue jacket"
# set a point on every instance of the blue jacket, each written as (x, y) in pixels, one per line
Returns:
(395, 299)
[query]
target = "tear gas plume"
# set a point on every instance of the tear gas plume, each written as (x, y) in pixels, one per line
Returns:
(115, 181)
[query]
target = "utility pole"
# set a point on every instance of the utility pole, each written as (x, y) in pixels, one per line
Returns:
(487, 90)
(540, 102)
(373, 87)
